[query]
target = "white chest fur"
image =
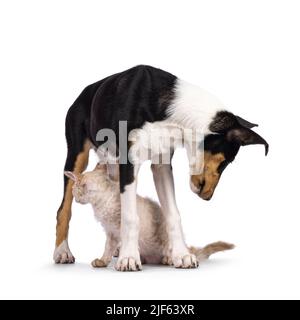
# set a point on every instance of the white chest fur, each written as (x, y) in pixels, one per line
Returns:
(155, 139)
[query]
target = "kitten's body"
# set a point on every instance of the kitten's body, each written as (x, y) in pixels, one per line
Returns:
(102, 192)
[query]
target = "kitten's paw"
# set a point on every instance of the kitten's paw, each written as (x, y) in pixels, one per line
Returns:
(167, 260)
(187, 261)
(62, 254)
(98, 263)
(128, 264)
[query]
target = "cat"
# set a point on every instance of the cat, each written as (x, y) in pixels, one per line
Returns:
(100, 188)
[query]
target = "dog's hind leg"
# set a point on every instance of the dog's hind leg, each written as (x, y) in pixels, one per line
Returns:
(77, 160)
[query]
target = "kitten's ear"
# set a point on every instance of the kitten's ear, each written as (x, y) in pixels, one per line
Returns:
(100, 167)
(71, 175)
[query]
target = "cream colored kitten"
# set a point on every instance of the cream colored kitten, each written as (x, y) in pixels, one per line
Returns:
(101, 190)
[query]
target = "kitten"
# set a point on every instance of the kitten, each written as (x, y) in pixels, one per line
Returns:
(100, 188)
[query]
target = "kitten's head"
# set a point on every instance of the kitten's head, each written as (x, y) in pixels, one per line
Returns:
(86, 187)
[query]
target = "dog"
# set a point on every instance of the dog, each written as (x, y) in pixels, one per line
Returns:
(146, 100)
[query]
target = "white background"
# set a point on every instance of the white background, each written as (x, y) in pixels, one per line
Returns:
(245, 52)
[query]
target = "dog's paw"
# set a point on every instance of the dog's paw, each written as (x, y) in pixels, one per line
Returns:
(117, 252)
(187, 261)
(128, 264)
(167, 260)
(62, 254)
(99, 263)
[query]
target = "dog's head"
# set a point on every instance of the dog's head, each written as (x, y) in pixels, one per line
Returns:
(230, 132)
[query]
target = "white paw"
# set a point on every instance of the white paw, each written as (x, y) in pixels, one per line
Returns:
(117, 252)
(128, 264)
(62, 254)
(167, 260)
(185, 261)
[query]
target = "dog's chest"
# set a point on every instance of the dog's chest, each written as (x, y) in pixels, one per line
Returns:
(154, 139)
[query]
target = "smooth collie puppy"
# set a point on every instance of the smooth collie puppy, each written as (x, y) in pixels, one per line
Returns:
(138, 110)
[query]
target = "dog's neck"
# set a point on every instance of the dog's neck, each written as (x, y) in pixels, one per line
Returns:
(193, 107)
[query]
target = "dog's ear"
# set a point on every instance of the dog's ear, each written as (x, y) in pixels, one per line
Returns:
(224, 121)
(71, 175)
(245, 123)
(245, 136)
(236, 129)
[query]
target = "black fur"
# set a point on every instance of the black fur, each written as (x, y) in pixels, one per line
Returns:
(126, 175)
(217, 143)
(77, 126)
(232, 132)
(223, 121)
(137, 95)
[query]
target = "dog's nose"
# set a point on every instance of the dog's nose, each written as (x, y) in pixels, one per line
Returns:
(200, 187)
(207, 195)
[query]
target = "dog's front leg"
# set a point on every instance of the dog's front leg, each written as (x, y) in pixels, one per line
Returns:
(129, 257)
(163, 179)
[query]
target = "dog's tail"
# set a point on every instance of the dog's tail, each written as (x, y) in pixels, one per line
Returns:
(204, 253)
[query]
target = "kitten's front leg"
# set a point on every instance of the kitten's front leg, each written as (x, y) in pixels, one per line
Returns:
(111, 245)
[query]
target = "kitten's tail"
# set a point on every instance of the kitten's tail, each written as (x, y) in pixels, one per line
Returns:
(204, 253)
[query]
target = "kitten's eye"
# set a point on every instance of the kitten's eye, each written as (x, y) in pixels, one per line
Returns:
(84, 187)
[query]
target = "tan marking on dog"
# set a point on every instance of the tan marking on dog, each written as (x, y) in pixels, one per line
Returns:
(64, 212)
(210, 174)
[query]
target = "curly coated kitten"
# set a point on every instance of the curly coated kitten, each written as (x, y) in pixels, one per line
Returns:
(101, 190)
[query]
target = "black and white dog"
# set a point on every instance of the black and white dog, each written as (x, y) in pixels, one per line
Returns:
(150, 99)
